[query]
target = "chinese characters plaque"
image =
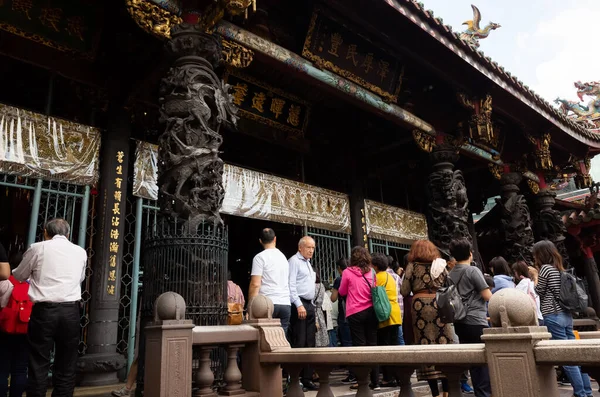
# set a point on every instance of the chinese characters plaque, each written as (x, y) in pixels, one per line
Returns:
(333, 46)
(60, 24)
(268, 105)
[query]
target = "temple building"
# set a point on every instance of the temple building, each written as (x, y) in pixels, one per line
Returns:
(168, 133)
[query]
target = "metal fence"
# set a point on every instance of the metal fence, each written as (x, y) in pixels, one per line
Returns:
(396, 250)
(330, 246)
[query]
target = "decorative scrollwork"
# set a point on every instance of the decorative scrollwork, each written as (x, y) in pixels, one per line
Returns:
(236, 55)
(152, 18)
(543, 157)
(480, 126)
(425, 141)
(533, 186)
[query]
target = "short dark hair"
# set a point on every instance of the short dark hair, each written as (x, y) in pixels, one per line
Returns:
(460, 249)
(342, 263)
(267, 235)
(57, 227)
(520, 269)
(500, 266)
(380, 261)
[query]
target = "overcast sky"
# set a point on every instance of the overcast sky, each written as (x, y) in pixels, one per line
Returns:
(547, 44)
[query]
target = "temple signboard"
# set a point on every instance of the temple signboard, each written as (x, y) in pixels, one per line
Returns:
(268, 105)
(331, 45)
(60, 24)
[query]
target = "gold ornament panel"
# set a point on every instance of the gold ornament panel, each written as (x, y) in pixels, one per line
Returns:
(35, 145)
(253, 194)
(394, 224)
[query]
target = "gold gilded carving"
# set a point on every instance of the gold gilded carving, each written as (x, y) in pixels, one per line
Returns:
(425, 141)
(496, 170)
(394, 224)
(543, 157)
(152, 18)
(236, 55)
(257, 195)
(583, 178)
(481, 128)
(533, 186)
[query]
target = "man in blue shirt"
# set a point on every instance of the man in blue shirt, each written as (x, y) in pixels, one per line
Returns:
(302, 292)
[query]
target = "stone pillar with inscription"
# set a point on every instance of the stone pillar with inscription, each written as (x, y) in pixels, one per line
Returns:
(357, 213)
(448, 216)
(101, 362)
(516, 221)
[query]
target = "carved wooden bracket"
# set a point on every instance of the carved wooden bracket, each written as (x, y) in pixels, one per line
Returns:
(480, 126)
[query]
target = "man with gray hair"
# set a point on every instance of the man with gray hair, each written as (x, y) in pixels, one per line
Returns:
(55, 269)
(303, 328)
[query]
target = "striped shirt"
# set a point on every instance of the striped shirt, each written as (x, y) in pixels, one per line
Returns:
(548, 288)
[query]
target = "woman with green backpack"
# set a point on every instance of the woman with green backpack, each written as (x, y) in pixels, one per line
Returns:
(357, 281)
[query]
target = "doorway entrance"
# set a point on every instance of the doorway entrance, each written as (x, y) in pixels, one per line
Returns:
(244, 234)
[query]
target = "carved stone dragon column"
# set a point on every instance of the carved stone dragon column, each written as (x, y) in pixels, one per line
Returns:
(194, 103)
(516, 221)
(448, 202)
(548, 224)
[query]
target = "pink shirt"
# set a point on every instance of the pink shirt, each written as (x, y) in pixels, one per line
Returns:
(356, 290)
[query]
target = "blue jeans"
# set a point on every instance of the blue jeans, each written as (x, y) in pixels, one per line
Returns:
(283, 313)
(14, 357)
(400, 336)
(333, 342)
(560, 325)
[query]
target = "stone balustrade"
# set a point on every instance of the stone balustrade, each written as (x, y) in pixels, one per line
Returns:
(520, 355)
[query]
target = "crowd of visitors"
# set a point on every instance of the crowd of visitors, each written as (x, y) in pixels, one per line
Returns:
(40, 293)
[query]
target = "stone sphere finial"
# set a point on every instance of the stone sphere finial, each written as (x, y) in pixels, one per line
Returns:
(169, 306)
(261, 307)
(510, 307)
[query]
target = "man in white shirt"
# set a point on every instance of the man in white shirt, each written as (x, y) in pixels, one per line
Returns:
(55, 269)
(269, 277)
(303, 327)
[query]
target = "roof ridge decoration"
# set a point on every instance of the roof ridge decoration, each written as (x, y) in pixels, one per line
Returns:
(588, 116)
(496, 72)
(475, 32)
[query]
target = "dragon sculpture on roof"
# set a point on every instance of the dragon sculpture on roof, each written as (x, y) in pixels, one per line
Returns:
(474, 33)
(588, 115)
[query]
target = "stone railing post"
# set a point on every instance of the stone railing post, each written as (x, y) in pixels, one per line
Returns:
(510, 348)
(169, 340)
(265, 379)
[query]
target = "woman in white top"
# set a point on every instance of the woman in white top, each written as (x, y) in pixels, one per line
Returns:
(525, 284)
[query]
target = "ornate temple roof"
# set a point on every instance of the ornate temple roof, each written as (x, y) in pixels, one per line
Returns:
(416, 12)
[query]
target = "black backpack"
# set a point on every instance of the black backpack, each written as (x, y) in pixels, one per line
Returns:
(450, 303)
(572, 296)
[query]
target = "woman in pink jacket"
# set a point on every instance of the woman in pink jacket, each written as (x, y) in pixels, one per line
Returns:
(357, 281)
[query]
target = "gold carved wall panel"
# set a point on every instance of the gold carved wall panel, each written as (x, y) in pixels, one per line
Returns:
(394, 224)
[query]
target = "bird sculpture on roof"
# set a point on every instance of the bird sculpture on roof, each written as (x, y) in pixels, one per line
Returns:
(474, 31)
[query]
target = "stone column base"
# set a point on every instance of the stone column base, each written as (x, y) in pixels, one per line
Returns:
(100, 369)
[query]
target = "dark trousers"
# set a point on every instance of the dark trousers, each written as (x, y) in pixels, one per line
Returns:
(480, 376)
(387, 336)
(303, 333)
(283, 313)
(53, 325)
(344, 334)
(363, 327)
(14, 352)
(435, 390)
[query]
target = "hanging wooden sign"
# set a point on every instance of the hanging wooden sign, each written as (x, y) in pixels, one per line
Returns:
(334, 46)
(268, 105)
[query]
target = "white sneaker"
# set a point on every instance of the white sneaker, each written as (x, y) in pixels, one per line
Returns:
(123, 392)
